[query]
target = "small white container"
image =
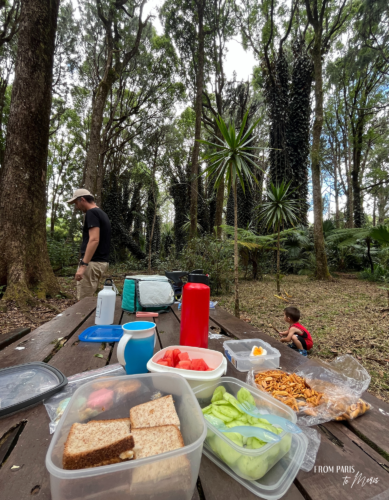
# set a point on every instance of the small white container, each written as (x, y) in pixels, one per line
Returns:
(238, 353)
(168, 476)
(214, 359)
(105, 308)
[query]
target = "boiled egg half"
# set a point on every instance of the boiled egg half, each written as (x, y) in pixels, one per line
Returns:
(258, 351)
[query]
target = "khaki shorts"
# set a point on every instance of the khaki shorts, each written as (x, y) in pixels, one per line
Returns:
(91, 278)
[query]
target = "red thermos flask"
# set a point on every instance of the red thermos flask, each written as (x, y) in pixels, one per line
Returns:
(195, 311)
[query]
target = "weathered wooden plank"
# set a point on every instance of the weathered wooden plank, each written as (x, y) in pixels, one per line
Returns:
(30, 451)
(76, 357)
(196, 495)
(12, 336)
(29, 454)
(39, 343)
(374, 424)
(338, 429)
(337, 450)
(7, 441)
(168, 328)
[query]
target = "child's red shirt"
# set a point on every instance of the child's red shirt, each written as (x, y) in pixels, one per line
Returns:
(307, 337)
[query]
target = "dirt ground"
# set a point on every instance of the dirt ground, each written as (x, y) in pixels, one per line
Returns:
(344, 316)
(14, 318)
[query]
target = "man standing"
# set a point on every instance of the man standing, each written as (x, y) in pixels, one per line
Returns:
(96, 241)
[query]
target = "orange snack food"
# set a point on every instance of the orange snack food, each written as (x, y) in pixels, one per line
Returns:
(288, 389)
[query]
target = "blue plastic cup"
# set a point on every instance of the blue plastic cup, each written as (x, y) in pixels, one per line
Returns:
(136, 347)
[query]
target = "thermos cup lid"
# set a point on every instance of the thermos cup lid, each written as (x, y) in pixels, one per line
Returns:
(198, 278)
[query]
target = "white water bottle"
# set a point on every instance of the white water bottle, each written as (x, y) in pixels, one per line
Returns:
(105, 308)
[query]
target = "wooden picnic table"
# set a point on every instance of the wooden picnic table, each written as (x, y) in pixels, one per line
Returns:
(24, 437)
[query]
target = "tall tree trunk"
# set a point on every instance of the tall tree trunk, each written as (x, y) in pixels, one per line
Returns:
(154, 207)
(278, 259)
(24, 262)
(198, 110)
(113, 69)
(236, 254)
(220, 189)
(151, 238)
(382, 201)
(350, 202)
(336, 188)
(99, 101)
(3, 89)
(356, 188)
(374, 207)
(368, 243)
(321, 258)
(219, 209)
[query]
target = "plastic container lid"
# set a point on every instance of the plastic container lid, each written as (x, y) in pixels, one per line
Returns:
(102, 333)
(238, 353)
(214, 359)
(26, 385)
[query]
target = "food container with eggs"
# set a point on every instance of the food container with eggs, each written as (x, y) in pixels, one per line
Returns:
(246, 354)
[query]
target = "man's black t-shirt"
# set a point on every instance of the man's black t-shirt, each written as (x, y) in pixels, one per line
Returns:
(95, 217)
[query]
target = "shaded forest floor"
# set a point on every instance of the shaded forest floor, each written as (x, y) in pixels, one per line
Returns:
(344, 316)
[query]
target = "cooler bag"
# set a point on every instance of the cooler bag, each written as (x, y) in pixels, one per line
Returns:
(147, 293)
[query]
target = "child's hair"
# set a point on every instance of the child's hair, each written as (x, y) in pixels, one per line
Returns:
(293, 313)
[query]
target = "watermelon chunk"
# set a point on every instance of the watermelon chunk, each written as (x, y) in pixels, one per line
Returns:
(185, 364)
(176, 359)
(199, 365)
(162, 362)
(169, 358)
(183, 356)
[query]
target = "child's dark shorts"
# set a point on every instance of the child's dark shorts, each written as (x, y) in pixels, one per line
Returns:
(302, 340)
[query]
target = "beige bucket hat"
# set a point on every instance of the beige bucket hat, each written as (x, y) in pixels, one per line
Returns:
(77, 193)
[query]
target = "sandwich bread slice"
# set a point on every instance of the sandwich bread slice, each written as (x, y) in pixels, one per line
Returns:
(99, 442)
(171, 477)
(151, 441)
(154, 413)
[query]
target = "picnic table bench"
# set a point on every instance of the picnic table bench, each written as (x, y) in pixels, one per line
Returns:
(361, 445)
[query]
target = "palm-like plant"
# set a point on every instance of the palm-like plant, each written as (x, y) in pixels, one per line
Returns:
(230, 162)
(279, 210)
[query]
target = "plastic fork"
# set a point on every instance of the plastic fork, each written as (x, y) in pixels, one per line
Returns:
(247, 431)
(253, 411)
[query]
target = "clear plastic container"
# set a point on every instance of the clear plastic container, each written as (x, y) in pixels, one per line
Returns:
(214, 359)
(254, 465)
(238, 353)
(168, 476)
(279, 478)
